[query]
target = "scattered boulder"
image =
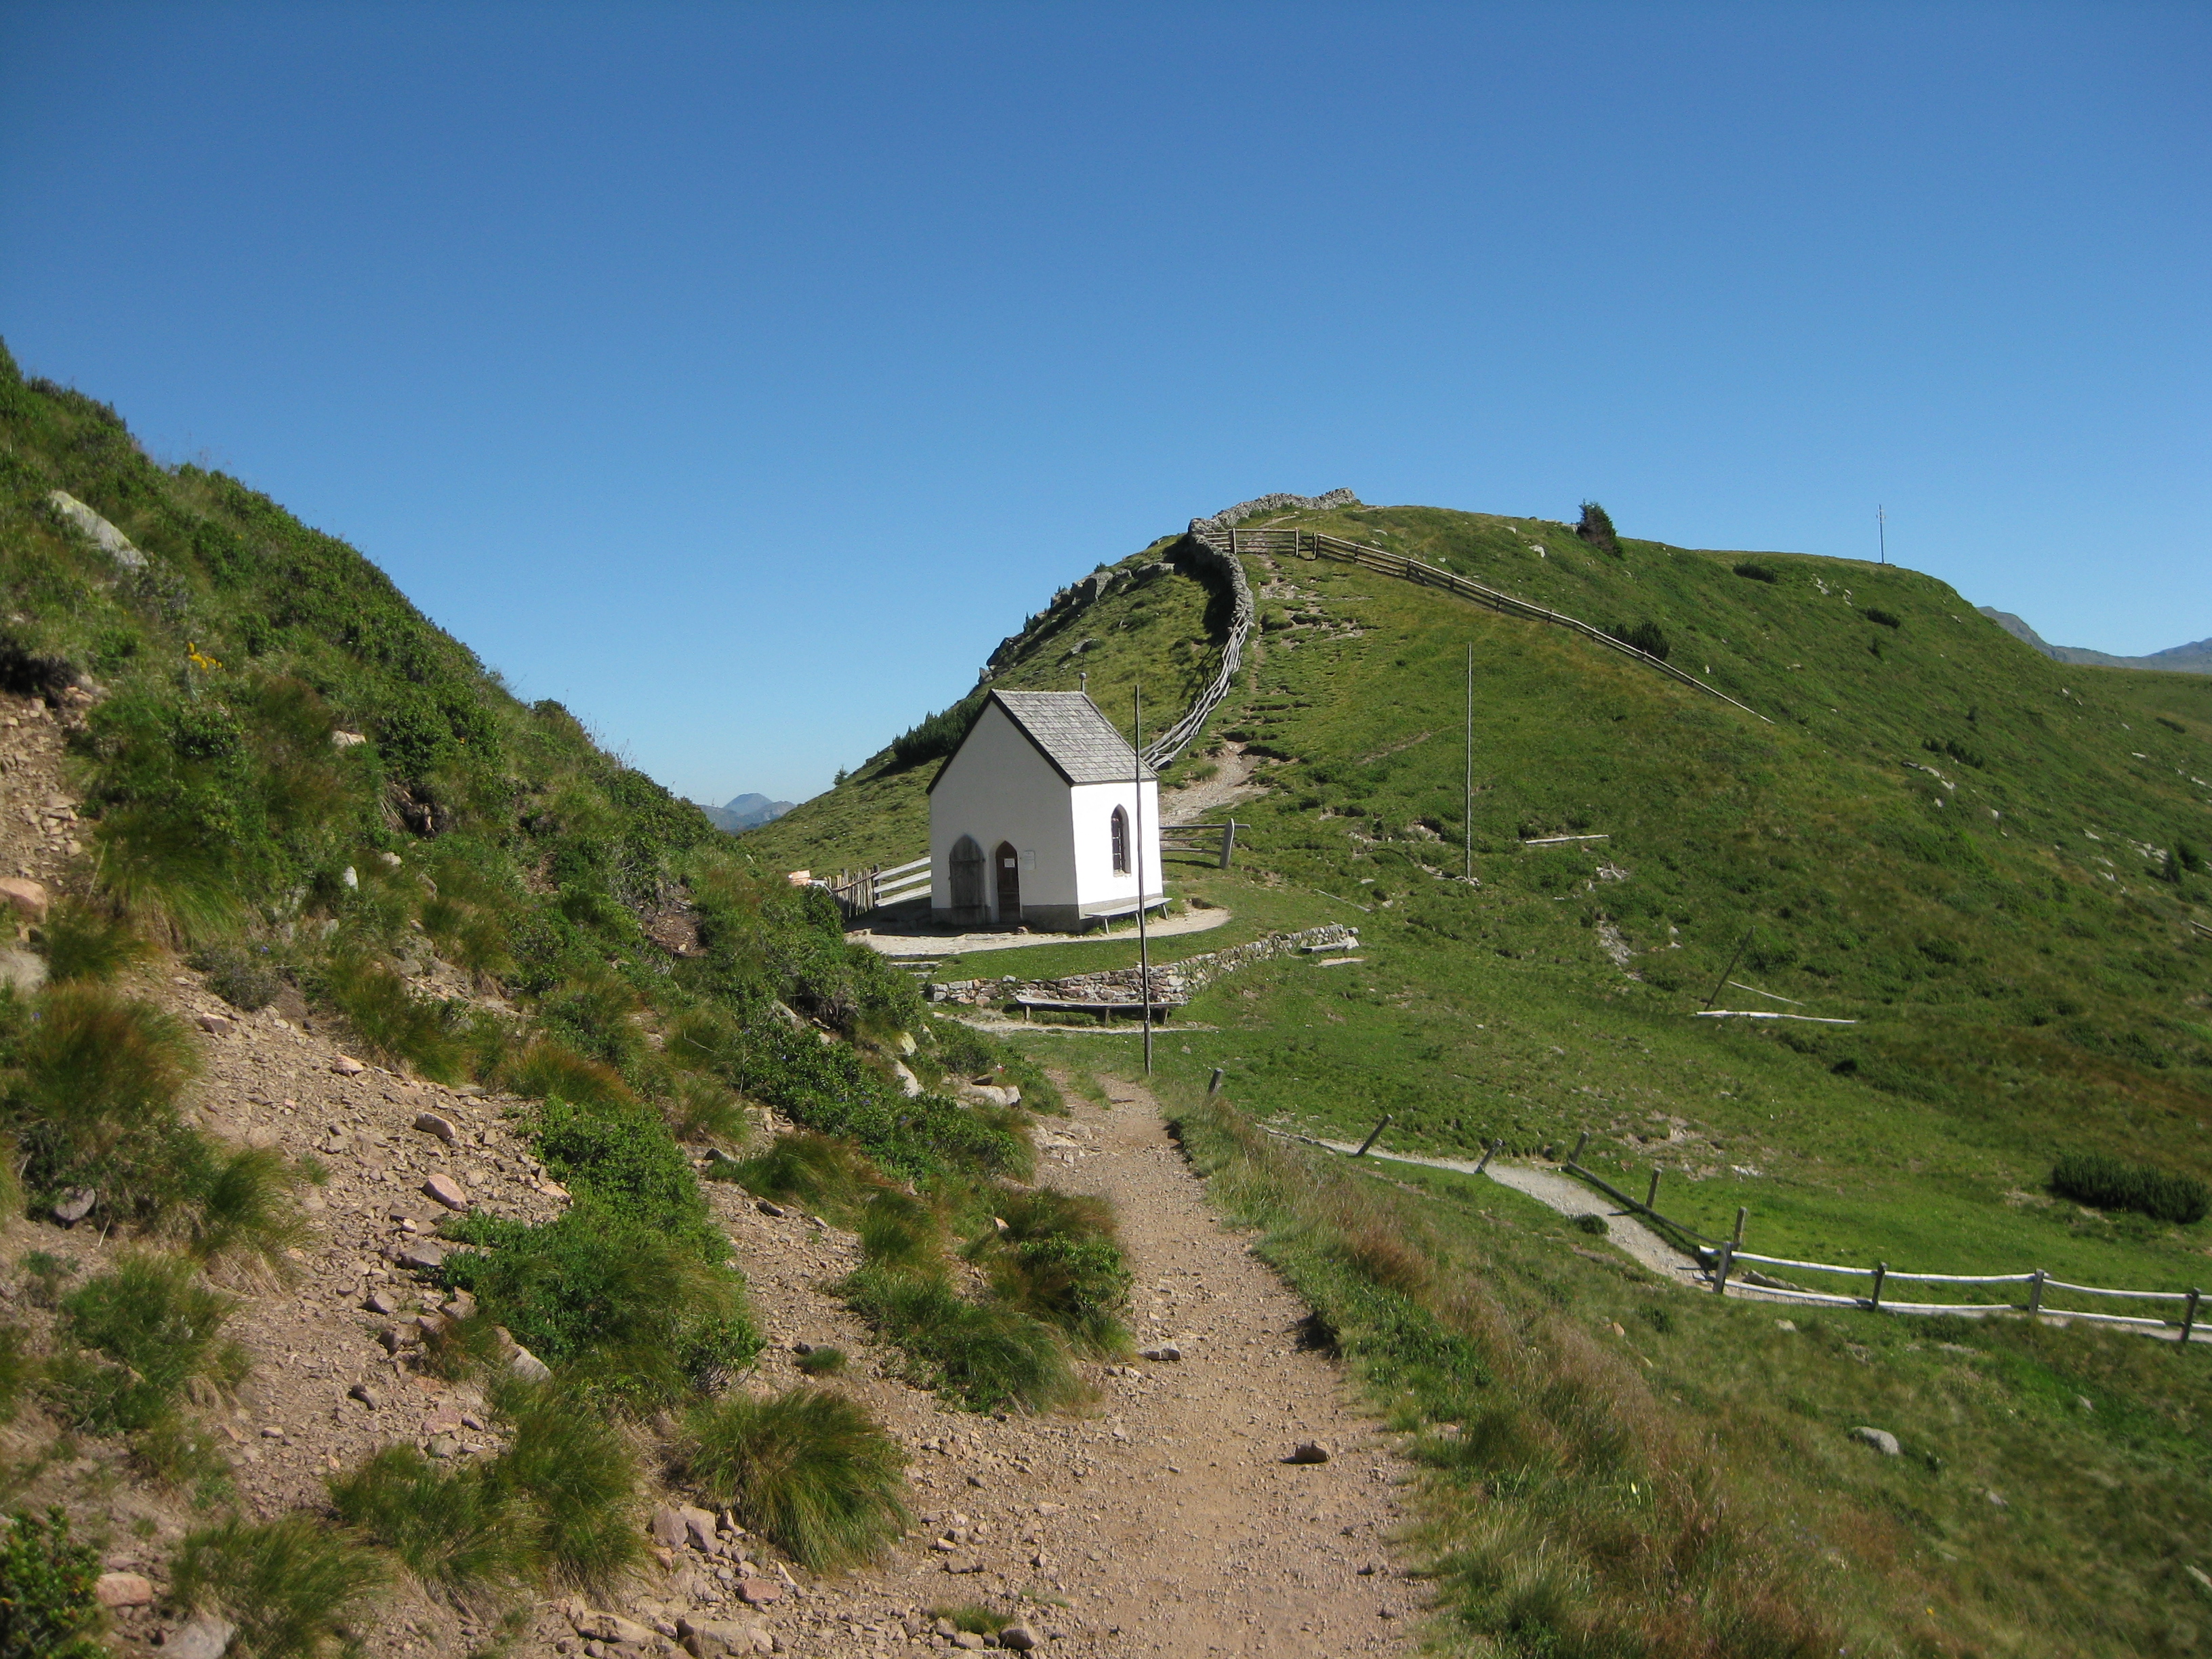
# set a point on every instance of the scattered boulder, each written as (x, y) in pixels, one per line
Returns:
(430, 1123)
(218, 1025)
(123, 1589)
(347, 1066)
(367, 1395)
(667, 1527)
(908, 1084)
(202, 1636)
(699, 1524)
(1308, 1451)
(1881, 1439)
(528, 1366)
(421, 1254)
(447, 1191)
(347, 739)
(27, 897)
(1020, 1638)
(1165, 1353)
(770, 1206)
(990, 1094)
(711, 1638)
(595, 1626)
(759, 1592)
(75, 1204)
(24, 969)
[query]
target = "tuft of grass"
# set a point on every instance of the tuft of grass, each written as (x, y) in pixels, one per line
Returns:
(576, 1477)
(815, 1172)
(551, 1070)
(2106, 1182)
(84, 944)
(92, 1097)
(972, 1617)
(698, 1108)
(820, 1362)
(155, 1329)
(292, 1586)
(809, 1469)
(899, 1230)
(1053, 1255)
(987, 1356)
(243, 1203)
(391, 1021)
(166, 873)
(48, 1610)
(452, 1527)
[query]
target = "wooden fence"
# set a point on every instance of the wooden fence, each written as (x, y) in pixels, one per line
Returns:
(859, 891)
(1221, 547)
(1218, 841)
(1724, 1258)
(1312, 544)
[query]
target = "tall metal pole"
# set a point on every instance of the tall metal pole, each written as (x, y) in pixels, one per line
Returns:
(1468, 822)
(1882, 529)
(1144, 933)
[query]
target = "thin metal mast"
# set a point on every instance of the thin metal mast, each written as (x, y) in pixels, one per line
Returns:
(1882, 529)
(1144, 934)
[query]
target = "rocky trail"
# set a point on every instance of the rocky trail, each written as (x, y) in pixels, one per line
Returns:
(1169, 1519)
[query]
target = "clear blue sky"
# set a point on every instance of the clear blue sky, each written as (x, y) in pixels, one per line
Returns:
(740, 374)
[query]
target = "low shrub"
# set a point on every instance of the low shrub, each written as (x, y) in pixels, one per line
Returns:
(451, 1525)
(155, 1328)
(808, 1469)
(1646, 636)
(84, 944)
(47, 1606)
(2105, 1182)
(1757, 573)
(1881, 618)
(988, 1357)
(290, 1585)
(244, 977)
(1595, 1224)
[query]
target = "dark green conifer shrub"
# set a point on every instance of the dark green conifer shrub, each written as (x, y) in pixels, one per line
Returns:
(1596, 529)
(2105, 1182)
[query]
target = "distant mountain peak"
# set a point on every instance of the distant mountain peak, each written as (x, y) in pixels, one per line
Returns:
(747, 812)
(2195, 658)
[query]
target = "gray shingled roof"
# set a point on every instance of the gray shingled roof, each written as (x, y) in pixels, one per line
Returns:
(1072, 733)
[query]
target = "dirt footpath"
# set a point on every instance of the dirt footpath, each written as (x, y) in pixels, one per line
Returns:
(1163, 1521)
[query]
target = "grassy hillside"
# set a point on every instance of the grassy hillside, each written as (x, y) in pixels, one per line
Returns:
(286, 777)
(1988, 860)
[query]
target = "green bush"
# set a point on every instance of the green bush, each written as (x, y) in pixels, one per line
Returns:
(1592, 1224)
(290, 1585)
(1646, 636)
(808, 1469)
(47, 1607)
(1757, 573)
(987, 1356)
(813, 1172)
(937, 735)
(2105, 1182)
(1876, 615)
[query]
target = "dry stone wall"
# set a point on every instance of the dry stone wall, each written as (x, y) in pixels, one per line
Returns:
(1172, 983)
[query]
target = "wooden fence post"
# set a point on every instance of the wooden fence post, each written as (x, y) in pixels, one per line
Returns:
(1489, 1152)
(1228, 841)
(2189, 1314)
(1579, 1144)
(2035, 1291)
(1214, 1084)
(1880, 1273)
(1720, 1278)
(1651, 1198)
(1743, 1212)
(1372, 1135)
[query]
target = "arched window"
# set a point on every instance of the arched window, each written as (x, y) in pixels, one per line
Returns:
(967, 875)
(1120, 843)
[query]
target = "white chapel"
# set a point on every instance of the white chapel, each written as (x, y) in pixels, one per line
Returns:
(1043, 817)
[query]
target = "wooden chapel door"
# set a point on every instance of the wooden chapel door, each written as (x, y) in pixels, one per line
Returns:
(1009, 866)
